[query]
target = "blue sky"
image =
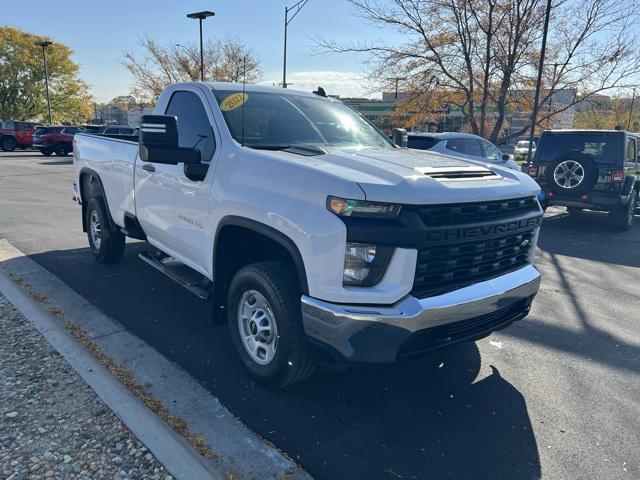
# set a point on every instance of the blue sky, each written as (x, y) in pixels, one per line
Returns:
(100, 31)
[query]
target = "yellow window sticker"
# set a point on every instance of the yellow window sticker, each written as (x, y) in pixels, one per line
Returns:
(233, 101)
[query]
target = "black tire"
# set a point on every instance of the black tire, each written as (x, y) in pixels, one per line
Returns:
(62, 150)
(45, 152)
(8, 144)
(277, 284)
(624, 216)
(110, 246)
(586, 166)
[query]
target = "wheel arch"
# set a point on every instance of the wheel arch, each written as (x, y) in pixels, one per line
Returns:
(90, 185)
(238, 231)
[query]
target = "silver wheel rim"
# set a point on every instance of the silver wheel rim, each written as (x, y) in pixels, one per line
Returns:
(568, 174)
(257, 327)
(95, 229)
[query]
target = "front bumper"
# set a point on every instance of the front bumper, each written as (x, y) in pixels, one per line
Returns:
(374, 334)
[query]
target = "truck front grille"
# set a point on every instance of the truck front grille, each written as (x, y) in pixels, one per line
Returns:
(470, 243)
(462, 213)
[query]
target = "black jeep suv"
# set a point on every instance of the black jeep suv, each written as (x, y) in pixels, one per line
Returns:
(590, 169)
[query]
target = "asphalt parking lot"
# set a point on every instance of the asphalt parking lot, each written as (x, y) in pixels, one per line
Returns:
(556, 395)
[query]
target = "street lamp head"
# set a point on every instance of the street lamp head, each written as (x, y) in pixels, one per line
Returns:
(43, 44)
(200, 15)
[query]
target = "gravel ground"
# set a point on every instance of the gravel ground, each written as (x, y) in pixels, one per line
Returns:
(52, 425)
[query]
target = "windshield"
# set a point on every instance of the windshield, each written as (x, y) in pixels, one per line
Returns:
(281, 119)
(524, 144)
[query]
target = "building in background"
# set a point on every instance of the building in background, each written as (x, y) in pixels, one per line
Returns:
(112, 113)
(450, 118)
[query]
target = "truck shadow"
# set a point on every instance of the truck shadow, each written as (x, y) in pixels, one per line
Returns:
(68, 161)
(589, 235)
(427, 418)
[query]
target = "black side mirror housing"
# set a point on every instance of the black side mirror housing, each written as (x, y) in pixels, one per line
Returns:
(400, 137)
(506, 157)
(158, 142)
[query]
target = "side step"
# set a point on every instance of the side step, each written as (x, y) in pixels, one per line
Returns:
(180, 273)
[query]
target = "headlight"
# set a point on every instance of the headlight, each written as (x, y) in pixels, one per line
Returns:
(364, 265)
(362, 208)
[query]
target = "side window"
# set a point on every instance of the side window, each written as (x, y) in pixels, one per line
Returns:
(194, 128)
(631, 151)
(455, 145)
(71, 130)
(491, 153)
(471, 146)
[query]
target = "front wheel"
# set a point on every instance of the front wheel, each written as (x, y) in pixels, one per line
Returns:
(624, 216)
(45, 152)
(266, 325)
(107, 244)
(62, 150)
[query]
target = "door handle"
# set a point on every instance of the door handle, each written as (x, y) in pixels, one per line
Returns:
(149, 167)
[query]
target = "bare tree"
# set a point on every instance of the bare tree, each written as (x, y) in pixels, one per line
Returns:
(159, 66)
(484, 53)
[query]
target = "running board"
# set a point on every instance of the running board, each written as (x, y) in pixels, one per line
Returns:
(180, 273)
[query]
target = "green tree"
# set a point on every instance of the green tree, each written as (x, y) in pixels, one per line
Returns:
(22, 85)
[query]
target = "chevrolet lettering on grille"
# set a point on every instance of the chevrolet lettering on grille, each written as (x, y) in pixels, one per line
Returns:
(482, 231)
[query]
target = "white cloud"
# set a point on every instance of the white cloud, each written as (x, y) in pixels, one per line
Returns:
(345, 84)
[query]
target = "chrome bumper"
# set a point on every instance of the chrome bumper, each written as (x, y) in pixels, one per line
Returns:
(366, 334)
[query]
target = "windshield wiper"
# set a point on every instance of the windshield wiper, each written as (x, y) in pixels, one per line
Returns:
(308, 151)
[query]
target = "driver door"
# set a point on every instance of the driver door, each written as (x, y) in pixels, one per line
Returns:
(172, 209)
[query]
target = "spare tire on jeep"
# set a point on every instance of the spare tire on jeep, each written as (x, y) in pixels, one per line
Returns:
(571, 174)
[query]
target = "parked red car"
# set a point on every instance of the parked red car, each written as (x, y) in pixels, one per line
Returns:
(16, 135)
(58, 140)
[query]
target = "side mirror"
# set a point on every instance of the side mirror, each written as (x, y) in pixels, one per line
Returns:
(399, 137)
(158, 141)
(506, 157)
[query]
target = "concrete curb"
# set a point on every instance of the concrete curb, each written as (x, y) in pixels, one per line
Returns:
(240, 453)
(180, 459)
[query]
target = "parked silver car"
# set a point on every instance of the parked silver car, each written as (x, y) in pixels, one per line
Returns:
(461, 145)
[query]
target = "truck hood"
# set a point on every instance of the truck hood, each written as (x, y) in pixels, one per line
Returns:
(418, 177)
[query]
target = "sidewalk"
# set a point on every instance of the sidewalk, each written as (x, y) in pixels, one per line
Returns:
(52, 424)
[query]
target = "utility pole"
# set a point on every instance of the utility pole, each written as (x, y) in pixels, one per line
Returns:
(295, 9)
(396, 80)
(44, 46)
(534, 114)
(633, 101)
(201, 16)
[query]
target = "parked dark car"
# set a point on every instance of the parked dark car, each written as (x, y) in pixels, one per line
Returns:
(109, 130)
(16, 135)
(58, 140)
(590, 169)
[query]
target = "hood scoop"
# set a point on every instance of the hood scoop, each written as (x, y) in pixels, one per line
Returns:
(457, 172)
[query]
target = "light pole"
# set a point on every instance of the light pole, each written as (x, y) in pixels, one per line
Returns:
(534, 114)
(201, 16)
(295, 9)
(44, 45)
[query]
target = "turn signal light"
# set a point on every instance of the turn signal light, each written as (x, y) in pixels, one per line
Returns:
(617, 176)
(533, 170)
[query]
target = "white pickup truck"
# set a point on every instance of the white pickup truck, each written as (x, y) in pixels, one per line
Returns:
(317, 237)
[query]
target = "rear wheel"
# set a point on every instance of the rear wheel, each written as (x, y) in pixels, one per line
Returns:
(107, 244)
(62, 150)
(624, 216)
(45, 152)
(8, 144)
(266, 325)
